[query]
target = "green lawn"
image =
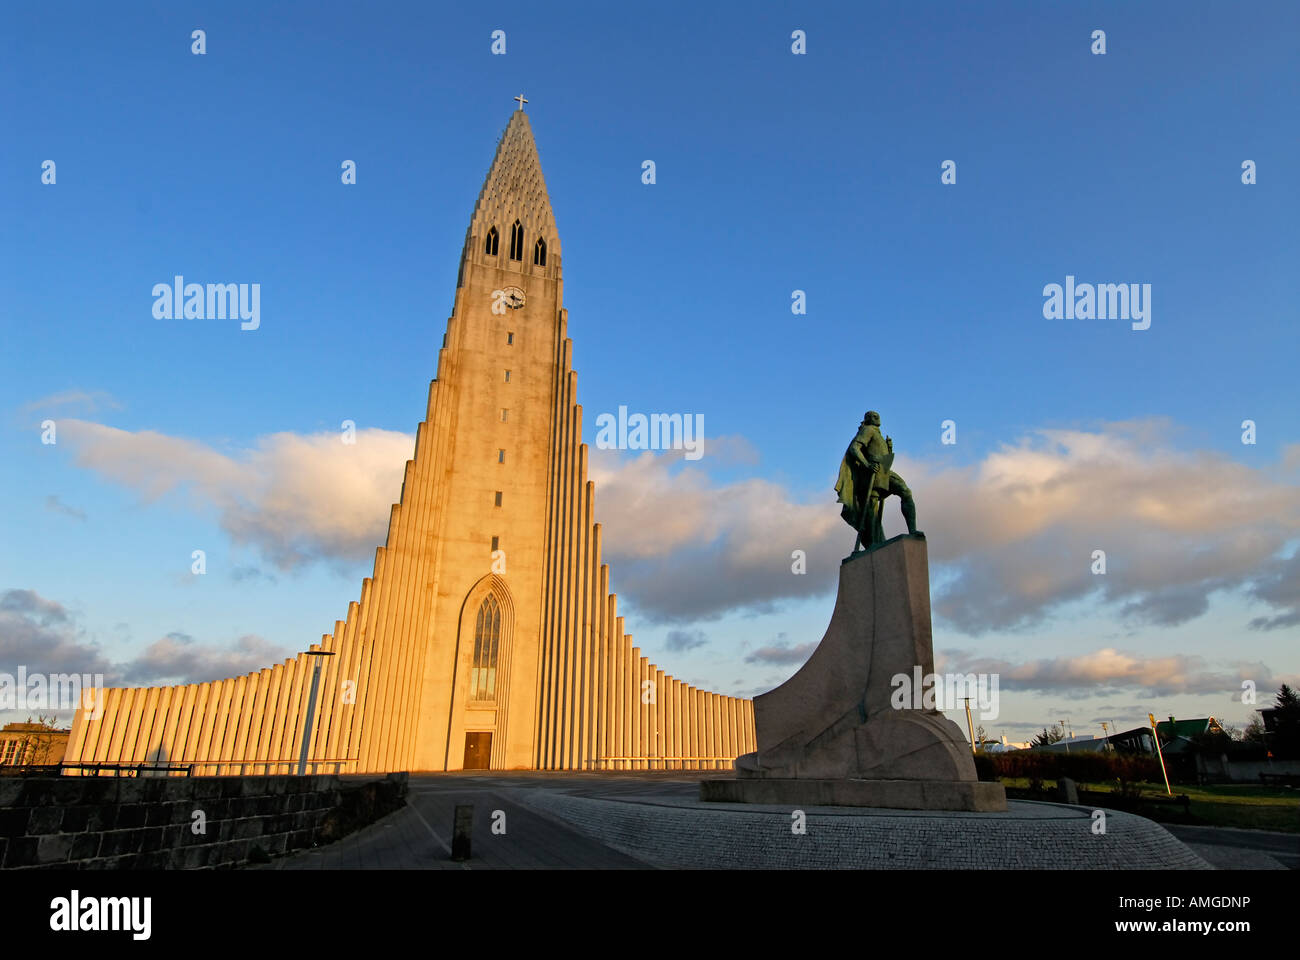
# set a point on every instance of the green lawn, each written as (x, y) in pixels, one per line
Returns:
(1218, 805)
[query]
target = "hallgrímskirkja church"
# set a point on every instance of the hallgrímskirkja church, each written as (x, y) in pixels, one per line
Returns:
(487, 637)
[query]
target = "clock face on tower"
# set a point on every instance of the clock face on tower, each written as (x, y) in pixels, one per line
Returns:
(513, 297)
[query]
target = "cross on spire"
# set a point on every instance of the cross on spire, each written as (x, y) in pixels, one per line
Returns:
(521, 100)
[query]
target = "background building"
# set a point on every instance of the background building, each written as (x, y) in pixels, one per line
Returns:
(31, 743)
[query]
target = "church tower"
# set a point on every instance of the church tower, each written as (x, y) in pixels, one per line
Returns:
(487, 636)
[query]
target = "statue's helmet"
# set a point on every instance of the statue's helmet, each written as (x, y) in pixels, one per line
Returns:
(872, 417)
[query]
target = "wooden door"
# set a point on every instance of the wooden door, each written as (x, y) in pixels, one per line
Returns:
(478, 751)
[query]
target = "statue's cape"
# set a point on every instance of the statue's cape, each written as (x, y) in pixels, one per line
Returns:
(855, 474)
(845, 484)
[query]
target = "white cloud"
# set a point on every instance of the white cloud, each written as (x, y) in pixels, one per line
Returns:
(683, 548)
(1107, 671)
(42, 635)
(70, 401)
(1018, 529)
(782, 654)
(178, 658)
(296, 498)
(678, 640)
(55, 505)
(1011, 537)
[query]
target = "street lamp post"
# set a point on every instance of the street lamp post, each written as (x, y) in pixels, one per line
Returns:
(311, 709)
(1159, 752)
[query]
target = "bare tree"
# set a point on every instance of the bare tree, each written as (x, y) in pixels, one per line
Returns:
(37, 743)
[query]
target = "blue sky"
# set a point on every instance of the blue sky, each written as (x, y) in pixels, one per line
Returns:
(775, 173)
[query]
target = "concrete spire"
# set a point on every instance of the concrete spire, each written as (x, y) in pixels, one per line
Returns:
(499, 468)
(514, 190)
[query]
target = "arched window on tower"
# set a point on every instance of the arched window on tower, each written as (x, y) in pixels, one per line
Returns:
(517, 242)
(487, 638)
(539, 252)
(493, 240)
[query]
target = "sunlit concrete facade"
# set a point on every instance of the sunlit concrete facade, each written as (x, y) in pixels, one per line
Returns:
(487, 635)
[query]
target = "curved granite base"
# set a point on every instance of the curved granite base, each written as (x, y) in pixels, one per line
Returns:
(845, 715)
(895, 794)
(1028, 836)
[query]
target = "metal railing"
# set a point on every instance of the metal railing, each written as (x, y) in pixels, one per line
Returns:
(681, 762)
(181, 768)
(267, 768)
(30, 770)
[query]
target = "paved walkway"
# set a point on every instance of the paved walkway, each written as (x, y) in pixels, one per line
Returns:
(1231, 849)
(418, 837)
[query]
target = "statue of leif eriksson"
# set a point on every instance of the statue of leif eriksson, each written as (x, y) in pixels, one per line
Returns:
(866, 480)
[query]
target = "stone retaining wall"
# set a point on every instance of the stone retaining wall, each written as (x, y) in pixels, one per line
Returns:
(154, 822)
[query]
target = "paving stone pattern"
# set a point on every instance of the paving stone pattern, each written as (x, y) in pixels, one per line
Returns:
(685, 834)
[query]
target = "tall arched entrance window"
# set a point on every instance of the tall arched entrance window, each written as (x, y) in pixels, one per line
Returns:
(487, 644)
(480, 706)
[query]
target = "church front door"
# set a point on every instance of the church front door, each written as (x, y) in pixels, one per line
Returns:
(478, 751)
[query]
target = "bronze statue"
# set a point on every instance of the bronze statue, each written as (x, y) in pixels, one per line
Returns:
(866, 480)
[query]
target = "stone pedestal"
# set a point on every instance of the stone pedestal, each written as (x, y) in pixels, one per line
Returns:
(832, 734)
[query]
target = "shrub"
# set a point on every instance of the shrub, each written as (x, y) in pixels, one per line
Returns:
(1081, 766)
